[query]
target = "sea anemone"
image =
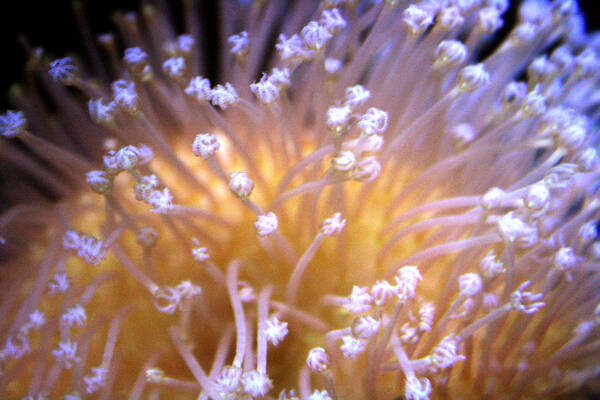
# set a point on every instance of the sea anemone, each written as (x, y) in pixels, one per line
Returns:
(343, 199)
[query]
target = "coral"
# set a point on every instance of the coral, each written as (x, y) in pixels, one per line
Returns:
(368, 199)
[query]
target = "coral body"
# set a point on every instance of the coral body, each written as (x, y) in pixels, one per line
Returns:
(384, 210)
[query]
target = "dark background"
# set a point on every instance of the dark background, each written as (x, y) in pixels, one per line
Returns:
(51, 24)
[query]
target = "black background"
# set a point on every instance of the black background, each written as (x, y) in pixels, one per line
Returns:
(51, 24)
